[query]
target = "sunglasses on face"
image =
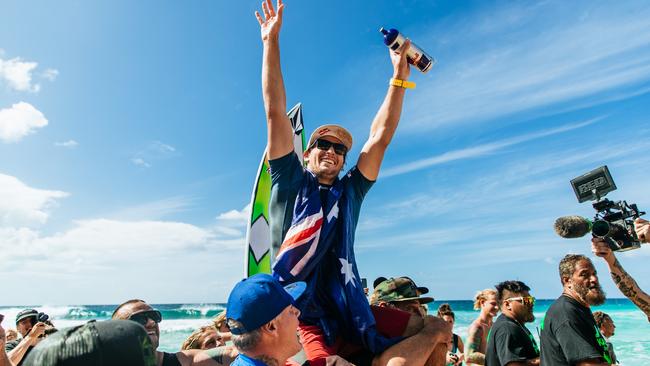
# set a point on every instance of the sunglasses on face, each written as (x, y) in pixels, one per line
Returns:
(526, 300)
(325, 145)
(143, 317)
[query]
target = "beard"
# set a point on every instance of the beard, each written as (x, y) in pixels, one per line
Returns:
(530, 317)
(591, 295)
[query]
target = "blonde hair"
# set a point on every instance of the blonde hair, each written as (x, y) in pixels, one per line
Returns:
(194, 340)
(220, 320)
(482, 296)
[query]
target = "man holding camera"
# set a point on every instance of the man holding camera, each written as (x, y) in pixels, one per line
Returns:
(622, 279)
(31, 326)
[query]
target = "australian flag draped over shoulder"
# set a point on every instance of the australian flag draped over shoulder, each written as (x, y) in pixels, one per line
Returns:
(318, 249)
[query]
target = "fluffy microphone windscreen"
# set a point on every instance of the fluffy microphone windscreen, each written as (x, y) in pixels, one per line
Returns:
(572, 226)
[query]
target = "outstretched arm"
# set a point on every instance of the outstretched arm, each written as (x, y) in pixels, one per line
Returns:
(280, 136)
(622, 279)
(385, 122)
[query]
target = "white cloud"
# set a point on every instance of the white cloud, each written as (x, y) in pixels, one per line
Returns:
(50, 74)
(483, 149)
(19, 121)
(21, 205)
(18, 74)
(154, 151)
(236, 216)
(155, 210)
(70, 144)
(161, 147)
(140, 162)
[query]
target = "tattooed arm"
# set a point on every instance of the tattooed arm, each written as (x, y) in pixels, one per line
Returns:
(622, 279)
(473, 352)
(220, 356)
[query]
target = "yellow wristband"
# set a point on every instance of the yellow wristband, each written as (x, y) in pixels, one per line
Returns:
(402, 83)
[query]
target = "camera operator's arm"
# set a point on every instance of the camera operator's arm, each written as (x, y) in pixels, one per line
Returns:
(642, 228)
(31, 339)
(622, 279)
(4, 359)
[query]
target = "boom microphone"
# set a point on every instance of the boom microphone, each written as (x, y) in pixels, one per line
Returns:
(572, 226)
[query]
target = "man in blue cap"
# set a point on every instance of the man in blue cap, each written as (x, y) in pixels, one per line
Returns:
(263, 318)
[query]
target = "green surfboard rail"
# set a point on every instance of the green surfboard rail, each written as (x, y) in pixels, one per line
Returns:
(258, 234)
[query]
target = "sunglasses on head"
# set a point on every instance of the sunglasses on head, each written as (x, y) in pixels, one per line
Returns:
(143, 317)
(325, 145)
(526, 300)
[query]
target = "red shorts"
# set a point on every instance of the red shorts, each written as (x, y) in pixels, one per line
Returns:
(390, 323)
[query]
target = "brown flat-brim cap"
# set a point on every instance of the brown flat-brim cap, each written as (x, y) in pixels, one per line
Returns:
(335, 131)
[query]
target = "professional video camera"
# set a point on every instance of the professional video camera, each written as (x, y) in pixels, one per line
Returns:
(614, 220)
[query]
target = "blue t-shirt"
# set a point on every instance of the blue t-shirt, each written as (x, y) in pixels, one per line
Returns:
(286, 177)
(243, 360)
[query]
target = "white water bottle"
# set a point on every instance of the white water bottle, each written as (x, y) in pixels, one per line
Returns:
(415, 55)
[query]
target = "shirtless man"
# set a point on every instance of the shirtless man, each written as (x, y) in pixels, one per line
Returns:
(486, 302)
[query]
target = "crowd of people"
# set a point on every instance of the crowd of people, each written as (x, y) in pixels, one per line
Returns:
(314, 300)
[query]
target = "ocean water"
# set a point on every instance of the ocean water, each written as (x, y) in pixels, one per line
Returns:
(631, 341)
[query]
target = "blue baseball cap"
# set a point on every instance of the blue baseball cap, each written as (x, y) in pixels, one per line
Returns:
(256, 300)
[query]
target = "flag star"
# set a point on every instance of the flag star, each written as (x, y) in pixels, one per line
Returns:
(346, 269)
(334, 212)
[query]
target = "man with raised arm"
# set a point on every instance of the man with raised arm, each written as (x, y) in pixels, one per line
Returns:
(622, 279)
(313, 216)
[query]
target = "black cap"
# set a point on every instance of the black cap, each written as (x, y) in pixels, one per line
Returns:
(111, 342)
(27, 313)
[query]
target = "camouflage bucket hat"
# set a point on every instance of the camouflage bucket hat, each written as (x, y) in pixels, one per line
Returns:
(397, 289)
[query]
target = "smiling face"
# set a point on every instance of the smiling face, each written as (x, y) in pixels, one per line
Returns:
(211, 339)
(607, 328)
(325, 164)
(152, 328)
(490, 306)
(584, 282)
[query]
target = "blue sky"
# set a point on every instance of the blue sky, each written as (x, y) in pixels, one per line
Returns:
(130, 135)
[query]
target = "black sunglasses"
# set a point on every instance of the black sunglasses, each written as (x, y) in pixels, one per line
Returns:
(325, 145)
(143, 317)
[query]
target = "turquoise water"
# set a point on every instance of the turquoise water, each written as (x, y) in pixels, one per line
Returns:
(631, 342)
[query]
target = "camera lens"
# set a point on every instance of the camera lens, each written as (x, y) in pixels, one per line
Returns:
(600, 228)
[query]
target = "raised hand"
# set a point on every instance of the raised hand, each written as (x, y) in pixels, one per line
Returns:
(601, 249)
(272, 22)
(642, 228)
(401, 67)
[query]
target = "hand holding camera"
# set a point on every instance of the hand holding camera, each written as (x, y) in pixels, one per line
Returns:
(642, 229)
(36, 334)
